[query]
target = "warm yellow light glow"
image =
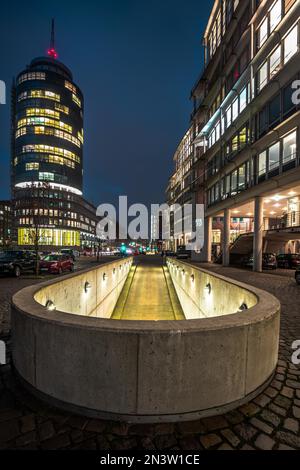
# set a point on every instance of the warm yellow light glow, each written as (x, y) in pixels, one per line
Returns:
(42, 112)
(50, 237)
(40, 148)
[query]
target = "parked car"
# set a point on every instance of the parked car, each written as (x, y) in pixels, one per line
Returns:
(17, 262)
(57, 264)
(288, 261)
(170, 254)
(297, 276)
(70, 252)
(268, 261)
(183, 253)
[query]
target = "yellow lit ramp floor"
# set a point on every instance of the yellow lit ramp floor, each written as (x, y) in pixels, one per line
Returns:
(148, 293)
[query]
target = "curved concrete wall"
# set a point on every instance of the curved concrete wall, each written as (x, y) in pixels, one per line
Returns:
(145, 371)
(70, 294)
(197, 301)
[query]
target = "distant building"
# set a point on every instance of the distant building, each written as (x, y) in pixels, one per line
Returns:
(47, 157)
(5, 223)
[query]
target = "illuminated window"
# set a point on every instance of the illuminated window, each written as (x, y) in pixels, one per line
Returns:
(62, 108)
(263, 76)
(42, 112)
(76, 100)
(262, 34)
(32, 166)
(290, 44)
(42, 121)
(243, 99)
(32, 76)
(275, 15)
(235, 109)
(70, 87)
(40, 148)
(262, 163)
(38, 94)
(274, 156)
(44, 176)
(289, 147)
(80, 136)
(275, 61)
(21, 132)
(57, 133)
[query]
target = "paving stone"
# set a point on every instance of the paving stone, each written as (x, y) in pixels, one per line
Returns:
(281, 370)
(58, 442)
(278, 410)
(165, 441)
(225, 447)
(7, 415)
(27, 423)
(147, 443)
(245, 431)
(293, 384)
(262, 400)
(234, 417)
(95, 425)
(78, 422)
(189, 443)
(119, 429)
(191, 427)
(247, 447)
(292, 376)
(270, 417)
(210, 440)
(280, 377)
(264, 442)
(46, 430)
(285, 447)
(296, 412)
(163, 428)
(141, 429)
(250, 409)
(9, 430)
(103, 443)
(261, 425)
(287, 392)
(231, 437)
(276, 384)
(271, 392)
(76, 436)
(298, 394)
(25, 439)
(214, 423)
(289, 439)
(291, 425)
(283, 402)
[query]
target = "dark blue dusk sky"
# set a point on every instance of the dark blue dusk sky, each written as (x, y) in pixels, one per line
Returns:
(135, 62)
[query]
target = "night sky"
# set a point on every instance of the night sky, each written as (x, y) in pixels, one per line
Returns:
(135, 62)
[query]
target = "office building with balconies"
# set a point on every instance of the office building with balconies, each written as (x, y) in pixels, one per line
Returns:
(246, 118)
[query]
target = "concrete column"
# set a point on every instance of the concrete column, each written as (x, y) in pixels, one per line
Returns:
(226, 237)
(258, 234)
(207, 240)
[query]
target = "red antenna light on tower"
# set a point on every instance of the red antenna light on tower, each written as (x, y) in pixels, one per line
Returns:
(51, 51)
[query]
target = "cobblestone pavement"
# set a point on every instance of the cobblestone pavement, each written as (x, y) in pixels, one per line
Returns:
(271, 421)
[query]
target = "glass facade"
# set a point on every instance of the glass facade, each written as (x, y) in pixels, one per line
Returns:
(47, 157)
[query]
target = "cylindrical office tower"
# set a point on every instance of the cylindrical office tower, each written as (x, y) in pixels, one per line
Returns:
(46, 156)
(48, 124)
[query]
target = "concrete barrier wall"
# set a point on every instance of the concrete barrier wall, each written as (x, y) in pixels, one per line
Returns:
(142, 371)
(70, 294)
(203, 295)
